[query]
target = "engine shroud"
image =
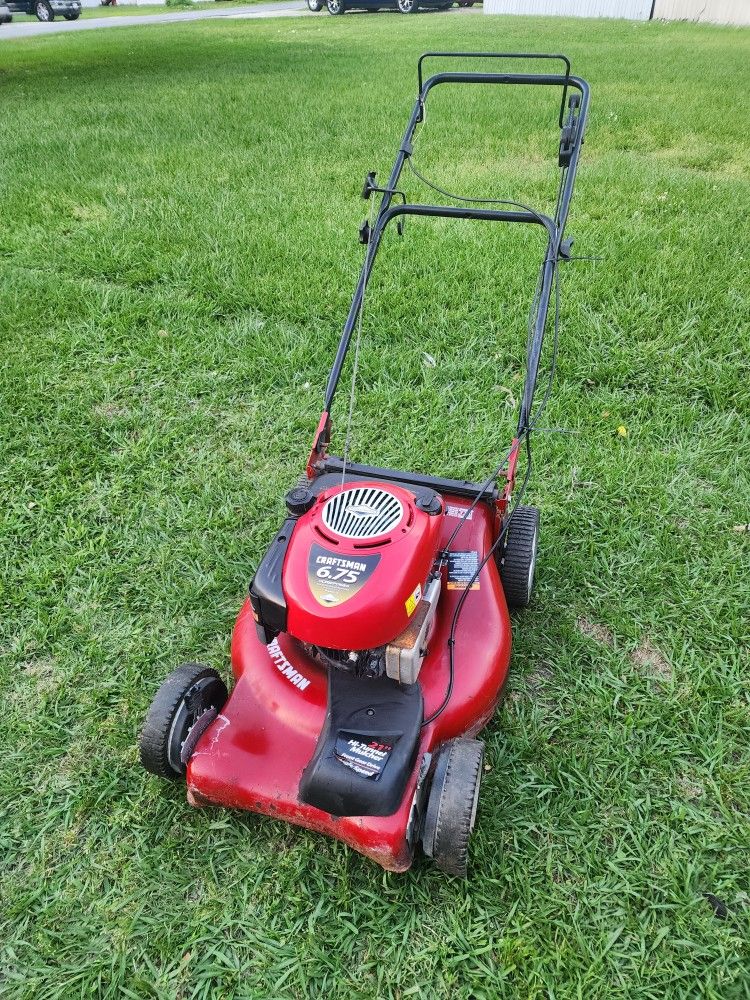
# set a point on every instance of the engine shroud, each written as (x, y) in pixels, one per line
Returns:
(357, 563)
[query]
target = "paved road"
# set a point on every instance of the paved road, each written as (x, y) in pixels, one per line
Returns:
(285, 8)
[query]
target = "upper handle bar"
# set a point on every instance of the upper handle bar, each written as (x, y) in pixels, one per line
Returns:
(498, 55)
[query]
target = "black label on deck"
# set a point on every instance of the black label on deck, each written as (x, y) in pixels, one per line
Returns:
(364, 754)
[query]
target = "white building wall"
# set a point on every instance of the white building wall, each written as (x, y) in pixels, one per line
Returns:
(720, 11)
(635, 10)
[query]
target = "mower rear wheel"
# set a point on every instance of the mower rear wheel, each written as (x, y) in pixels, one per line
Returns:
(184, 706)
(518, 561)
(452, 804)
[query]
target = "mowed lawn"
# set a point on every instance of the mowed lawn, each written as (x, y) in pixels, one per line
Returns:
(178, 240)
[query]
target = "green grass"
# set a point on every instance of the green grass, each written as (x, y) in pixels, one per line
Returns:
(178, 240)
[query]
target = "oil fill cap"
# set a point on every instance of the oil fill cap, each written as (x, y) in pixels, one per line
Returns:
(298, 500)
(429, 502)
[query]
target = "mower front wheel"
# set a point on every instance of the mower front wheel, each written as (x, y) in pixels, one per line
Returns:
(184, 706)
(452, 804)
(518, 557)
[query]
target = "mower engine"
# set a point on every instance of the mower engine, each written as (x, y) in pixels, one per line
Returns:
(353, 576)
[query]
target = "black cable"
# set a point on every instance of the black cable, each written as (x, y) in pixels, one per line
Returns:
(526, 437)
(531, 423)
(475, 201)
(533, 314)
(490, 479)
(490, 552)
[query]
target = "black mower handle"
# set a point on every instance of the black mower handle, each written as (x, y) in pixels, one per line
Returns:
(497, 55)
(571, 141)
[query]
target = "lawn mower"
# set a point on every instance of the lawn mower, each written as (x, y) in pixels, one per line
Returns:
(375, 640)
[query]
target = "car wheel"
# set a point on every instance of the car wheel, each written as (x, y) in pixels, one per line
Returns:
(407, 6)
(315, 5)
(43, 11)
(72, 17)
(184, 707)
(335, 7)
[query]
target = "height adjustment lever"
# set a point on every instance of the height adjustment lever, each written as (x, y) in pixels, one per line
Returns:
(369, 185)
(566, 249)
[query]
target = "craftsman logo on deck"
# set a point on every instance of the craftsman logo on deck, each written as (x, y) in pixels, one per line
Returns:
(334, 579)
(363, 754)
(285, 667)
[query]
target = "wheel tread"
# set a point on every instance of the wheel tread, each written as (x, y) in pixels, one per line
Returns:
(154, 736)
(517, 555)
(456, 791)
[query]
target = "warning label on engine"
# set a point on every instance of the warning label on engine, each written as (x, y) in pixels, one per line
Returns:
(363, 754)
(413, 600)
(334, 579)
(461, 568)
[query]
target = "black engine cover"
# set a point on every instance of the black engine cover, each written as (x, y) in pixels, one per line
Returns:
(366, 748)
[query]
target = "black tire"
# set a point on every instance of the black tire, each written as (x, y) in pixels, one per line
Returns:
(518, 561)
(185, 704)
(43, 11)
(335, 7)
(315, 5)
(452, 804)
(407, 6)
(72, 17)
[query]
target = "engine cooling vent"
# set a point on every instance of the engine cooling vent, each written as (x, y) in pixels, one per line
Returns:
(364, 512)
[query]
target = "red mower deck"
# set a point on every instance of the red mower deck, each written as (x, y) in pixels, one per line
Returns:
(253, 755)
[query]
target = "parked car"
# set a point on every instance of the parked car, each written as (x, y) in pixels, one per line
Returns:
(405, 6)
(47, 10)
(5, 14)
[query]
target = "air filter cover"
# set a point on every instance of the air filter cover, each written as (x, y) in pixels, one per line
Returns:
(362, 512)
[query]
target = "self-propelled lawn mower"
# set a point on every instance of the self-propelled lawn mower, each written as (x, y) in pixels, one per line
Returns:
(375, 641)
